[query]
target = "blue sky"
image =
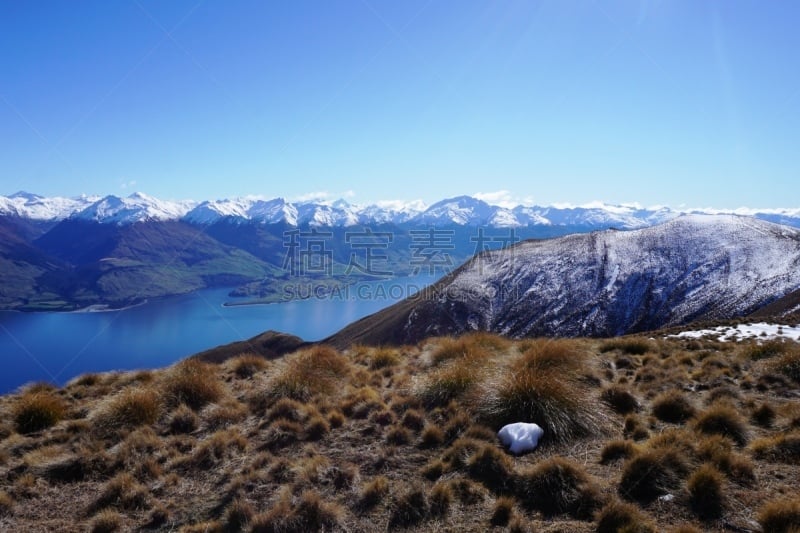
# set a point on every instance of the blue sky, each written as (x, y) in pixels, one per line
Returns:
(676, 102)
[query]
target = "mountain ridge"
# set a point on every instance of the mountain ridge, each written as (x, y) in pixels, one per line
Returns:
(460, 210)
(604, 283)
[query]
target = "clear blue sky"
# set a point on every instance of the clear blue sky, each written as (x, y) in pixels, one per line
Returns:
(661, 102)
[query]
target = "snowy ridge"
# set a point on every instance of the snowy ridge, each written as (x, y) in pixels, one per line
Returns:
(137, 207)
(461, 210)
(610, 282)
(35, 207)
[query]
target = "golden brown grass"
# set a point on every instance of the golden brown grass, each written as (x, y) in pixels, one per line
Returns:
(618, 516)
(630, 345)
(706, 492)
(723, 419)
(503, 511)
(246, 365)
(37, 409)
(192, 383)
(618, 449)
(558, 486)
(652, 473)
(545, 385)
(373, 492)
(788, 364)
(673, 406)
(409, 507)
(780, 516)
(318, 370)
(132, 407)
(323, 440)
(784, 448)
(6, 503)
(106, 521)
(620, 399)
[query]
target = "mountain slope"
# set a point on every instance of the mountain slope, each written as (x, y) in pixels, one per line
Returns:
(602, 284)
(119, 265)
(21, 264)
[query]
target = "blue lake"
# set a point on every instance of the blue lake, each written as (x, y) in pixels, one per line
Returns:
(56, 347)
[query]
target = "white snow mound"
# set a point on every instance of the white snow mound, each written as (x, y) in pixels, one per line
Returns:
(520, 437)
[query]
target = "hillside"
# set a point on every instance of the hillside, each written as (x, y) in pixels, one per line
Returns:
(672, 435)
(607, 283)
(120, 265)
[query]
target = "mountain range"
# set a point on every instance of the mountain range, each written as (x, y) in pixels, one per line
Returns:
(71, 253)
(461, 211)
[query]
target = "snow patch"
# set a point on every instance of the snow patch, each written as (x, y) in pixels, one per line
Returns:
(759, 330)
(520, 437)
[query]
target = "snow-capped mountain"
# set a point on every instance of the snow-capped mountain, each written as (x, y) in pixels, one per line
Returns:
(463, 211)
(137, 207)
(39, 208)
(605, 283)
(209, 212)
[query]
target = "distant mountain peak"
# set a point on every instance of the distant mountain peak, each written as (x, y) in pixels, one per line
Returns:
(26, 195)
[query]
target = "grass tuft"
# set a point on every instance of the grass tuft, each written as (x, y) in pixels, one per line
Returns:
(37, 410)
(764, 415)
(503, 511)
(441, 499)
(122, 492)
(780, 516)
(788, 364)
(673, 407)
(557, 486)
(183, 420)
(373, 492)
(652, 473)
(618, 449)
(766, 349)
(193, 383)
(318, 370)
(6, 504)
(706, 492)
(238, 515)
(310, 513)
(722, 419)
(783, 448)
(106, 521)
(630, 346)
(491, 467)
(544, 386)
(620, 399)
(383, 358)
(622, 517)
(432, 436)
(246, 365)
(132, 407)
(409, 508)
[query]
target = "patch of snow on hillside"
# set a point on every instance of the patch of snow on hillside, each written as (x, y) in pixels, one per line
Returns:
(759, 330)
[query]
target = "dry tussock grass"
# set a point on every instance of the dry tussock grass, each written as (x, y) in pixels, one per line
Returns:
(373, 439)
(36, 409)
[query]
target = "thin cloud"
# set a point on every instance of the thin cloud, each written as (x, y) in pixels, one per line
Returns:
(503, 198)
(313, 196)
